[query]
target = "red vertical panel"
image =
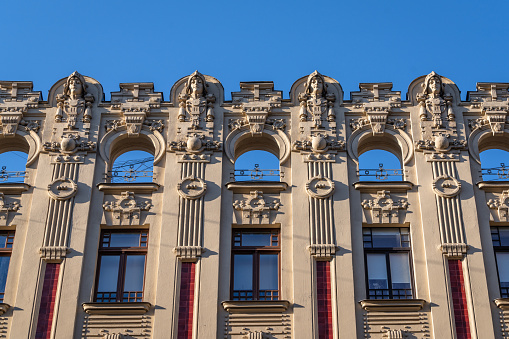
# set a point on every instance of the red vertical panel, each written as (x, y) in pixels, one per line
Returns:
(186, 303)
(47, 307)
(459, 299)
(323, 296)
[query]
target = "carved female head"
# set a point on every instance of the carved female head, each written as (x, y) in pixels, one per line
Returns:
(195, 85)
(315, 85)
(75, 86)
(433, 84)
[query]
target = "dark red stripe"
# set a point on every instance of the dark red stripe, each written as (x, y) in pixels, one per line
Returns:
(323, 295)
(459, 300)
(185, 320)
(47, 307)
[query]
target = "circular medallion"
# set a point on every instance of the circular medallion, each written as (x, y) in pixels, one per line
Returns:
(319, 187)
(446, 186)
(62, 189)
(191, 188)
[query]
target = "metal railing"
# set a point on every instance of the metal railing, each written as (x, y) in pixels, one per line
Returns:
(496, 173)
(380, 173)
(12, 176)
(257, 174)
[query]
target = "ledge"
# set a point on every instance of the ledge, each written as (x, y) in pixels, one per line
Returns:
(375, 186)
(136, 187)
(117, 308)
(502, 303)
(255, 306)
(13, 187)
(493, 186)
(264, 186)
(403, 305)
(4, 308)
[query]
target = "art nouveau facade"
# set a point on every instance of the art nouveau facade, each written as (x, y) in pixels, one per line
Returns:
(195, 253)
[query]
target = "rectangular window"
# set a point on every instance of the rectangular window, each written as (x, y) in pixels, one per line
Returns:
(500, 238)
(255, 265)
(387, 260)
(6, 241)
(121, 266)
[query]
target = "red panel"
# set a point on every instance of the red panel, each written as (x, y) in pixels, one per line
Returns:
(47, 307)
(185, 320)
(459, 299)
(323, 296)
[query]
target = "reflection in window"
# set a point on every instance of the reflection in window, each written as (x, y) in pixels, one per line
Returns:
(255, 268)
(133, 166)
(387, 253)
(121, 266)
(500, 238)
(378, 165)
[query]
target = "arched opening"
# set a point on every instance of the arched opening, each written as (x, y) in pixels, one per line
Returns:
(132, 166)
(379, 164)
(494, 164)
(257, 165)
(13, 159)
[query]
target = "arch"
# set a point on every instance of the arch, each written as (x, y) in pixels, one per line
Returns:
(482, 139)
(116, 142)
(240, 141)
(394, 140)
(28, 142)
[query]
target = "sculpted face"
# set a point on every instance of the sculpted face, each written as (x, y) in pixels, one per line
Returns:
(197, 86)
(434, 85)
(316, 85)
(75, 87)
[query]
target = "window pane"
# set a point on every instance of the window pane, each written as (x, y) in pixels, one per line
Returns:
(400, 270)
(4, 267)
(243, 272)
(134, 271)
(124, 240)
(256, 239)
(503, 268)
(108, 275)
(3, 240)
(377, 271)
(504, 236)
(386, 237)
(269, 272)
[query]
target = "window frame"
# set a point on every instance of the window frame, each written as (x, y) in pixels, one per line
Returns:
(6, 251)
(123, 253)
(387, 251)
(255, 251)
(499, 249)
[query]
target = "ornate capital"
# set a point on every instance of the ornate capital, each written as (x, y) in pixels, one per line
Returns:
(454, 251)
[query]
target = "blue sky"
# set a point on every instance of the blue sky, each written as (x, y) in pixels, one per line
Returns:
(162, 41)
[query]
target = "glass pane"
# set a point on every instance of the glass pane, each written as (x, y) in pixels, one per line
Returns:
(108, 275)
(503, 267)
(125, 240)
(377, 271)
(134, 271)
(386, 237)
(3, 240)
(256, 239)
(4, 268)
(400, 270)
(504, 236)
(269, 272)
(243, 272)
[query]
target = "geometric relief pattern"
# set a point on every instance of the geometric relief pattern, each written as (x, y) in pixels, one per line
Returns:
(268, 325)
(123, 326)
(383, 325)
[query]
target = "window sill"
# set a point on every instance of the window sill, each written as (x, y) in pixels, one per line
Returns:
(136, 187)
(375, 186)
(493, 186)
(265, 186)
(13, 187)
(4, 308)
(255, 306)
(502, 303)
(392, 304)
(117, 308)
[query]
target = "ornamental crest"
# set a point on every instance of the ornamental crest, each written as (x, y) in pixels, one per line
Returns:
(74, 102)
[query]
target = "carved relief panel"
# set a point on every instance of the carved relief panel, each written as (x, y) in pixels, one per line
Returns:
(384, 207)
(126, 209)
(256, 208)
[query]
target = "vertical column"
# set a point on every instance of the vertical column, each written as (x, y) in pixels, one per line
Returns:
(186, 303)
(47, 306)
(323, 296)
(459, 299)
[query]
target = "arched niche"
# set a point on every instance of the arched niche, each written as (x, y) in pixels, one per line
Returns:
(333, 87)
(416, 87)
(482, 139)
(93, 87)
(116, 142)
(240, 141)
(27, 142)
(394, 140)
(212, 86)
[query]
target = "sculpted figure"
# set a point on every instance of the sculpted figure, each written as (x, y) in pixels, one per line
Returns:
(316, 99)
(195, 101)
(434, 100)
(74, 101)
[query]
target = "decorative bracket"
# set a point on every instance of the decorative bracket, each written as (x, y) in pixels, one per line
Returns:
(496, 114)
(454, 251)
(501, 204)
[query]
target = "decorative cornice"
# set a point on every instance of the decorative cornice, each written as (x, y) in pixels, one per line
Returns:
(490, 186)
(398, 305)
(13, 188)
(113, 308)
(264, 186)
(118, 188)
(255, 306)
(375, 186)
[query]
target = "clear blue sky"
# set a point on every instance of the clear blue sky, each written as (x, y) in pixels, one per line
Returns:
(162, 41)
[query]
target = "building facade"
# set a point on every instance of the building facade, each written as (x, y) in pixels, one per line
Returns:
(197, 252)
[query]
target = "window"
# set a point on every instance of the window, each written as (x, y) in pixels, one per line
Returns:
(500, 238)
(387, 260)
(6, 241)
(121, 266)
(255, 268)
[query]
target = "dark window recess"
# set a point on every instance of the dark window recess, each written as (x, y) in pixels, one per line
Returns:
(387, 260)
(500, 238)
(6, 242)
(121, 266)
(255, 265)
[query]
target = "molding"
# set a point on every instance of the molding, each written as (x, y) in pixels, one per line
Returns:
(492, 186)
(402, 305)
(375, 186)
(117, 308)
(13, 188)
(137, 187)
(4, 308)
(255, 306)
(264, 186)
(502, 303)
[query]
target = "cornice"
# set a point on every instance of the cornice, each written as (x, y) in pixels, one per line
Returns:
(117, 188)
(13, 188)
(4, 308)
(255, 306)
(493, 186)
(375, 186)
(116, 307)
(502, 303)
(402, 305)
(264, 186)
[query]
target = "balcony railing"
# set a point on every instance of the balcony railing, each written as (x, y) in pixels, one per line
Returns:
(12, 176)
(129, 176)
(380, 173)
(495, 173)
(257, 174)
